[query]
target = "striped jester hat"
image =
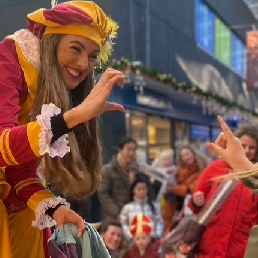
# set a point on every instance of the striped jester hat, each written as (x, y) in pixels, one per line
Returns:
(80, 18)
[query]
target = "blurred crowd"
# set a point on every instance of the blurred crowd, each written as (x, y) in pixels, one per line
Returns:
(126, 192)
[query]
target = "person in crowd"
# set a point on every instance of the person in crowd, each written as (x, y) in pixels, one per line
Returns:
(226, 235)
(165, 164)
(140, 202)
(141, 228)
(117, 176)
(111, 232)
(230, 149)
(47, 101)
(190, 166)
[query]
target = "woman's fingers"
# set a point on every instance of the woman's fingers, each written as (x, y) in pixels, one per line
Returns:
(117, 79)
(221, 141)
(226, 130)
(215, 147)
(111, 106)
(107, 75)
(81, 225)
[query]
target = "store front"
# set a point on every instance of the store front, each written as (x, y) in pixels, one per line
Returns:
(160, 118)
(152, 133)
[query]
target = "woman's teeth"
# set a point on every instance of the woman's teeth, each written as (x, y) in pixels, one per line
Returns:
(73, 72)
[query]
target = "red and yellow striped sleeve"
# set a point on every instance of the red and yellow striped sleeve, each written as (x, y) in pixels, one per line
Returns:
(18, 144)
(26, 183)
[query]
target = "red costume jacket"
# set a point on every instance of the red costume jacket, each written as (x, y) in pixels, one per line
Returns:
(20, 140)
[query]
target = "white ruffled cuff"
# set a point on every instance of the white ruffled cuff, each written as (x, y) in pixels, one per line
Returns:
(43, 220)
(60, 146)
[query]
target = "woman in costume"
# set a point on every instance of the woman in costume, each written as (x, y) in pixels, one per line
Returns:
(47, 102)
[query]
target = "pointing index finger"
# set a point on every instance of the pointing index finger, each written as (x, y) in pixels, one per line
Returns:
(226, 130)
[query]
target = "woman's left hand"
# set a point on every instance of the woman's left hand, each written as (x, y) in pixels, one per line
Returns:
(64, 215)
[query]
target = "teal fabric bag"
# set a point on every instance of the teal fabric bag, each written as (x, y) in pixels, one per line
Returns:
(89, 245)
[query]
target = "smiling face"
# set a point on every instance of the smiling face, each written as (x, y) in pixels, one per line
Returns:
(76, 59)
(187, 156)
(112, 237)
(250, 146)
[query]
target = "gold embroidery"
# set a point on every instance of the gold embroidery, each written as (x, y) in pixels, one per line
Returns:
(8, 150)
(25, 183)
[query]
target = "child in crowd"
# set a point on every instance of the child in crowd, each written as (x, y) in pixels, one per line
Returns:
(140, 202)
(141, 229)
(165, 164)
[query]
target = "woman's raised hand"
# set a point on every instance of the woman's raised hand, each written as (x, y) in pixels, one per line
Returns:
(96, 103)
(229, 148)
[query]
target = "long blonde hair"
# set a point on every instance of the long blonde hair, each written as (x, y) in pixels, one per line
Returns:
(78, 173)
(200, 158)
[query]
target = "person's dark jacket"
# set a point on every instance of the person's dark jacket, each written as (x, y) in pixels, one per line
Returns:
(114, 189)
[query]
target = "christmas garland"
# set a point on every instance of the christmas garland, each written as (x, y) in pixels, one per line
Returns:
(125, 64)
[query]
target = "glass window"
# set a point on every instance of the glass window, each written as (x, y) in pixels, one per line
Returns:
(200, 135)
(215, 133)
(182, 135)
(214, 36)
(204, 26)
(128, 123)
(223, 42)
(138, 132)
(159, 136)
(237, 55)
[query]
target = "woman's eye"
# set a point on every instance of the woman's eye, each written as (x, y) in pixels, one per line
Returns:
(94, 57)
(77, 49)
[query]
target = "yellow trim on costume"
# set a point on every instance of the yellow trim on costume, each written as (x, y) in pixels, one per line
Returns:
(25, 183)
(38, 197)
(83, 30)
(4, 148)
(4, 186)
(8, 150)
(30, 75)
(33, 131)
(5, 245)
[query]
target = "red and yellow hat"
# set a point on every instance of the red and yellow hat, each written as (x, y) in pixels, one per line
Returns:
(141, 223)
(81, 18)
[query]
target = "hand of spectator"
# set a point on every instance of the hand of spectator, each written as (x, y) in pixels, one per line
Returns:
(199, 199)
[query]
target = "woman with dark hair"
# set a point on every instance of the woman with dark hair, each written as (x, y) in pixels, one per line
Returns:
(117, 176)
(140, 202)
